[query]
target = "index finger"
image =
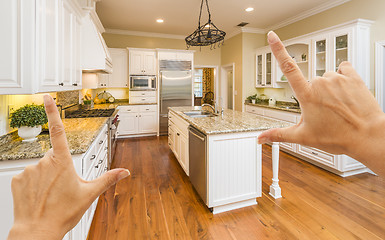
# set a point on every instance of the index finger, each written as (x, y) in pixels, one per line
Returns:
(288, 66)
(56, 129)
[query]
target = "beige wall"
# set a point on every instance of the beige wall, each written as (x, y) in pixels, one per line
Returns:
(366, 9)
(250, 42)
(231, 52)
(205, 56)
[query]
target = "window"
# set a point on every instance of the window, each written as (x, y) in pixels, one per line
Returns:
(198, 83)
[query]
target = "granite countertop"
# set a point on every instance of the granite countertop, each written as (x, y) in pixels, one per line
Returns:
(81, 132)
(119, 102)
(277, 107)
(232, 121)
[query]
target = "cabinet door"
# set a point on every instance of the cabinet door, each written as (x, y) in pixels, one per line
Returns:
(6, 206)
(136, 59)
(128, 124)
(17, 22)
(119, 76)
(259, 69)
(171, 137)
(268, 69)
(184, 154)
(149, 63)
(147, 122)
(341, 49)
(67, 50)
(177, 143)
(320, 58)
(49, 39)
(76, 64)
(103, 80)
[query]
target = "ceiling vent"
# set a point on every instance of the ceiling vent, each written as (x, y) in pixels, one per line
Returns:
(242, 24)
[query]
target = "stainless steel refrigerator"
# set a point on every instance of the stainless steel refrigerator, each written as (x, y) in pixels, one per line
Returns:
(175, 87)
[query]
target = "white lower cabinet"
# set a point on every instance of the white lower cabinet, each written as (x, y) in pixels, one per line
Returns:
(339, 164)
(89, 166)
(178, 140)
(137, 120)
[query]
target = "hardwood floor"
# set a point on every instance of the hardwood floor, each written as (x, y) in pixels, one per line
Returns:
(158, 202)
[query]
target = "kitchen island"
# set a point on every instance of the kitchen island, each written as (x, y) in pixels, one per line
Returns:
(232, 176)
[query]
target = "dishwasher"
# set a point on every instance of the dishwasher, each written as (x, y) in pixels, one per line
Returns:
(198, 162)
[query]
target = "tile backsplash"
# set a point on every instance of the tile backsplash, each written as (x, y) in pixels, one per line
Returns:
(67, 98)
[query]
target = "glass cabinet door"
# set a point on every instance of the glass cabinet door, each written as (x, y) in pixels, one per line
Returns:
(268, 68)
(320, 58)
(259, 70)
(341, 46)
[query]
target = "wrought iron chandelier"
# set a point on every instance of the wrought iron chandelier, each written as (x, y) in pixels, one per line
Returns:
(206, 34)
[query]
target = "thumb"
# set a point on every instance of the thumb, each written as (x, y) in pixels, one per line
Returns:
(279, 135)
(102, 183)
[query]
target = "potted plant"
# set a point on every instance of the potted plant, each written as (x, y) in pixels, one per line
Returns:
(29, 119)
(252, 98)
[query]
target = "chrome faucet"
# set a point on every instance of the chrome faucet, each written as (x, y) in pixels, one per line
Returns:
(295, 99)
(214, 108)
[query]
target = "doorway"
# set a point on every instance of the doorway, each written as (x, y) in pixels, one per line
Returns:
(205, 85)
(227, 85)
(380, 74)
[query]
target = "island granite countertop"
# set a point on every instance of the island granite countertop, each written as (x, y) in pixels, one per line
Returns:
(277, 107)
(80, 132)
(232, 121)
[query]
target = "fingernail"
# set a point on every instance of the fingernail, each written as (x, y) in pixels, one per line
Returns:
(272, 37)
(47, 99)
(123, 174)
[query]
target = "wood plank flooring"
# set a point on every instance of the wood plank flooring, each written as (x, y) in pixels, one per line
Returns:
(158, 202)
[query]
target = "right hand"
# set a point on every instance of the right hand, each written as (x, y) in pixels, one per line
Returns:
(338, 111)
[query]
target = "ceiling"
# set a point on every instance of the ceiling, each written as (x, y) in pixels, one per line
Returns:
(181, 16)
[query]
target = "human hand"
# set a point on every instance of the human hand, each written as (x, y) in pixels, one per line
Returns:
(50, 198)
(339, 114)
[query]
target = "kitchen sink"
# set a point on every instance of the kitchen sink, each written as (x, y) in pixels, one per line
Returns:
(289, 107)
(200, 114)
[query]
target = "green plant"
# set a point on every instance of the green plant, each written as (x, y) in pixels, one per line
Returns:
(30, 115)
(251, 97)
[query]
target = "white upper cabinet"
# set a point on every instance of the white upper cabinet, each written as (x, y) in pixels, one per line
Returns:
(119, 76)
(320, 52)
(142, 62)
(40, 46)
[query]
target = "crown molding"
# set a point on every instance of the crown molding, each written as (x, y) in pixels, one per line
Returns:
(323, 7)
(246, 30)
(143, 34)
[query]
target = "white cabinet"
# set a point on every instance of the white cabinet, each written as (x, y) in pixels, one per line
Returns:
(136, 97)
(265, 63)
(178, 140)
(40, 46)
(179, 55)
(119, 76)
(137, 119)
(339, 164)
(142, 62)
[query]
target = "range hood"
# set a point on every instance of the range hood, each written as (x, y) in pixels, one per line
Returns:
(95, 55)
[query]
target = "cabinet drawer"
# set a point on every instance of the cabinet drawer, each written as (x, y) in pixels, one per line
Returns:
(89, 160)
(318, 155)
(142, 99)
(288, 117)
(288, 146)
(128, 109)
(255, 110)
(142, 94)
(147, 108)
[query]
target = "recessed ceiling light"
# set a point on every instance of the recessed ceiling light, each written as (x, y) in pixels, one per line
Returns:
(249, 9)
(159, 20)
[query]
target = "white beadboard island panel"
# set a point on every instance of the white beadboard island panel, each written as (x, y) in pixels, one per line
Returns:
(234, 170)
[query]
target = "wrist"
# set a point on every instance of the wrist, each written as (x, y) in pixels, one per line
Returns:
(33, 232)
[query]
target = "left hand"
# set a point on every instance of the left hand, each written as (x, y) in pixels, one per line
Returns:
(50, 198)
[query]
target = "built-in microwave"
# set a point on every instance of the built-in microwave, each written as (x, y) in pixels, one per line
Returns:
(138, 82)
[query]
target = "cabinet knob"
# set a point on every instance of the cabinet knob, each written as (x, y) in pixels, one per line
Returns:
(178, 134)
(61, 84)
(101, 141)
(74, 84)
(93, 157)
(315, 153)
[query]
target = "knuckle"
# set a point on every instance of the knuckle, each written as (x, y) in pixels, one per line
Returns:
(288, 66)
(56, 130)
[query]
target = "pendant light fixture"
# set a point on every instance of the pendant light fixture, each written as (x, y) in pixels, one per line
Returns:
(206, 34)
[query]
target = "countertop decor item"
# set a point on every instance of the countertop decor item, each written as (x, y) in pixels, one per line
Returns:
(29, 119)
(206, 34)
